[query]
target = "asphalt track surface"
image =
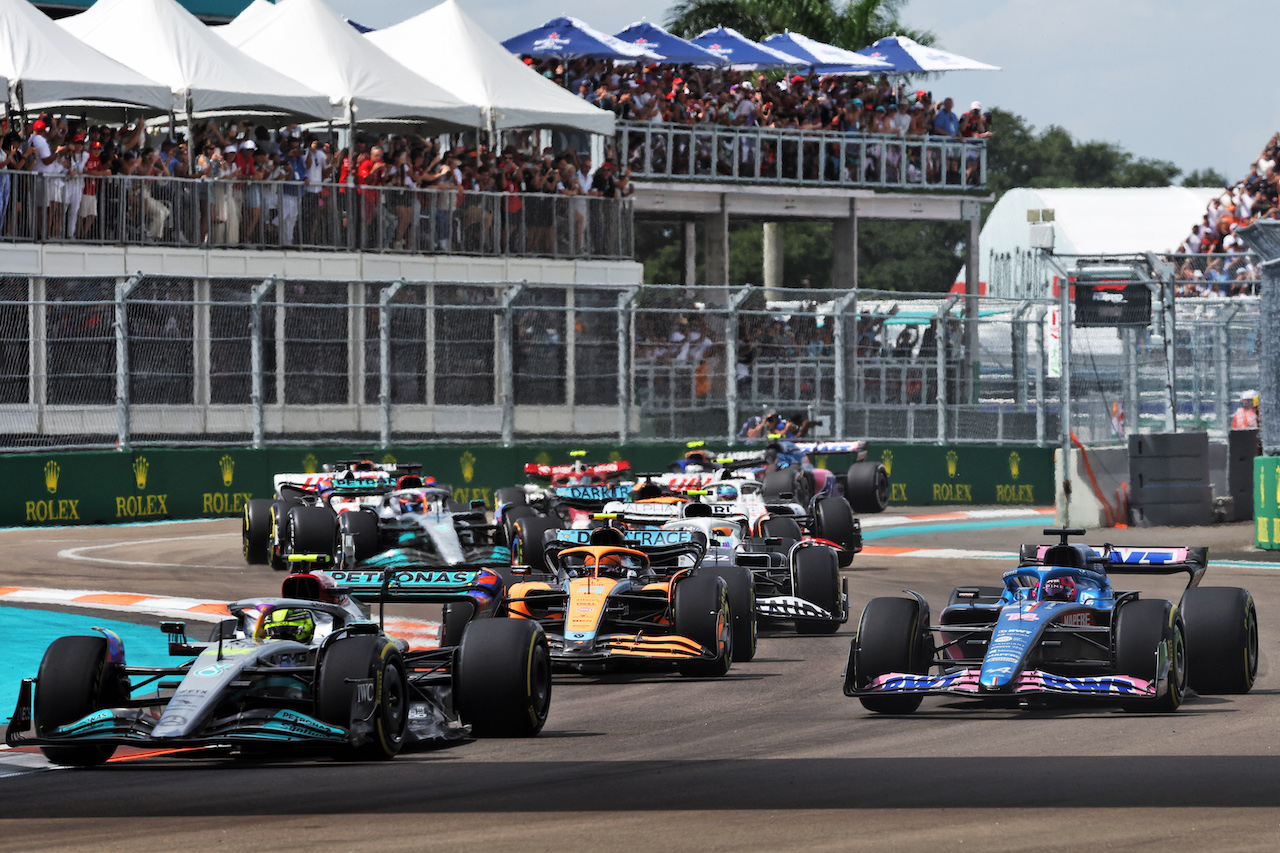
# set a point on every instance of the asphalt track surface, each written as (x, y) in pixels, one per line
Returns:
(771, 757)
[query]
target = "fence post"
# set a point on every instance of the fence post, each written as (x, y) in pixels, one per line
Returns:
(384, 358)
(731, 362)
(1041, 372)
(123, 289)
(1221, 352)
(838, 341)
(625, 311)
(1170, 356)
(941, 362)
(506, 377)
(255, 356)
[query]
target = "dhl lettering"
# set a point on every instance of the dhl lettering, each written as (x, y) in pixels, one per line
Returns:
(466, 496)
(1014, 493)
(953, 492)
(140, 506)
(898, 493)
(64, 510)
(225, 503)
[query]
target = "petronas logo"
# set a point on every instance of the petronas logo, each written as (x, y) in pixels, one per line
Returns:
(51, 471)
(886, 459)
(140, 466)
(228, 466)
(953, 459)
(310, 464)
(468, 466)
(1014, 461)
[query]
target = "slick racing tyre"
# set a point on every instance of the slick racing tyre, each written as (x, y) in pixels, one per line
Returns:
(833, 520)
(793, 480)
(528, 540)
(1141, 626)
(510, 515)
(312, 530)
(344, 664)
(893, 636)
(502, 679)
(701, 606)
(453, 621)
(782, 527)
(256, 532)
(817, 581)
(75, 679)
(362, 528)
(1222, 639)
(509, 497)
(279, 549)
(742, 604)
(866, 487)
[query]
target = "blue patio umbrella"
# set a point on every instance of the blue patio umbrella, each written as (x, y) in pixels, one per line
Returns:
(676, 50)
(825, 58)
(742, 53)
(904, 54)
(569, 38)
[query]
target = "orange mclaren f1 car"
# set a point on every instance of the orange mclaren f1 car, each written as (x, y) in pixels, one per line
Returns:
(638, 598)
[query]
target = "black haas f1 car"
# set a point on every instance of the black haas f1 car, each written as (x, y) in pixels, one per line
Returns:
(638, 598)
(308, 672)
(1058, 628)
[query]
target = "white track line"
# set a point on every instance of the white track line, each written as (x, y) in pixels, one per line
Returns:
(79, 553)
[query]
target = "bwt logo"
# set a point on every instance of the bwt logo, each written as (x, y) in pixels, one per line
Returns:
(228, 466)
(51, 471)
(140, 466)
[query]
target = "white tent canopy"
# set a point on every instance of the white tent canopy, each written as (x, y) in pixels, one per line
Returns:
(54, 68)
(247, 21)
(476, 68)
(197, 65)
(308, 41)
(1092, 221)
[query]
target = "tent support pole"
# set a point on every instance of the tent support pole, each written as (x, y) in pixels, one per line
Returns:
(191, 141)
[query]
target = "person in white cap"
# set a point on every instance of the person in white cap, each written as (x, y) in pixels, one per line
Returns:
(1246, 417)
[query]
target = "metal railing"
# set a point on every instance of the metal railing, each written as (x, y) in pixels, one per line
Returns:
(1027, 273)
(147, 360)
(191, 213)
(765, 155)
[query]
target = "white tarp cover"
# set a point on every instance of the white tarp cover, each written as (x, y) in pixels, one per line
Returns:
(183, 53)
(57, 69)
(247, 21)
(474, 66)
(309, 41)
(1092, 221)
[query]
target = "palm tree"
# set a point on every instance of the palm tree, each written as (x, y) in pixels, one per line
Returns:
(853, 25)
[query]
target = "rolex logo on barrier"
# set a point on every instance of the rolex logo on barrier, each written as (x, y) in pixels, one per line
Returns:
(228, 466)
(51, 471)
(141, 506)
(886, 459)
(468, 466)
(953, 492)
(225, 503)
(388, 459)
(59, 510)
(1014, 461)
(310, 464)
(953, 460)
(140, 466)
(1015, 493)
(543, 458)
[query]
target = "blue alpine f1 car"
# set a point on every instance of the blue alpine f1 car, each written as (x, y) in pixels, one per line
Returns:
(1059, 628)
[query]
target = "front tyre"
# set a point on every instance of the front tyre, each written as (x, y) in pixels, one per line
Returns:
(893, 636)
(1222, 639)
(75, 679)
(701, 608)
(350, 660)
(502, 679)
(742, 605)
(256, 532)
(817, 581)
(1141, 627)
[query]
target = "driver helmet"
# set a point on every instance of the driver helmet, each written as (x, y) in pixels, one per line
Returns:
(285, 623)
(410, 503)
(727, 493)
(612, 565)
(1058, 589)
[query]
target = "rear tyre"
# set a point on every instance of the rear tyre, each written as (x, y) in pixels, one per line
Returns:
(701, 606)
(502, 681)
(742, 605)
(75, 679)
(527, 542)
(363, 527)
(817, 580)
(509, 497)
(1222, 639)
(312, 530)
(780, 527)
(782, 481)
(834, 521)
(1141, 626)
(348, 660)
(256, 532)
(453, 621)
(893, 636)
(510, 515)
(866, 487)
(280, 534)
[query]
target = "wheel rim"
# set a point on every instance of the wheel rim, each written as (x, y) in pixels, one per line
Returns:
(1251, 650)
(394, 707)
(1178, 664)
(540, 686)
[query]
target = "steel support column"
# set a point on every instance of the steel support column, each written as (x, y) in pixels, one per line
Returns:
(384, 358)
(255, 357)
(506, 375)
(123, 289)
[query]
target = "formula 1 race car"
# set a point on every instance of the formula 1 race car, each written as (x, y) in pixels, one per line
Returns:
(568, 493)
(307, 671)
(796, 577)
(638, 598)
(1058, 628)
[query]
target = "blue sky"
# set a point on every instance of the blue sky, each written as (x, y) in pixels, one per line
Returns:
(1166, 79)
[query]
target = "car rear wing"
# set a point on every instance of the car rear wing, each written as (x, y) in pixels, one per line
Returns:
(590, 497)
(1132, 560)
(416, 584)
(660, 545)
(857, 448)
(607, 470)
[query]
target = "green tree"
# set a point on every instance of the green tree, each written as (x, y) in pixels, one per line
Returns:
(1209, 177)
(853, 24)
